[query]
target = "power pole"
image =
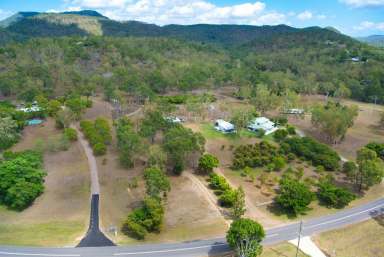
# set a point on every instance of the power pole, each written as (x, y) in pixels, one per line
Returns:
(298, 241)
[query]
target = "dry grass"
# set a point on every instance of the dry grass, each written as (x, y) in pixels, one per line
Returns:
(63, 209)
(279, 250)
(364, 239)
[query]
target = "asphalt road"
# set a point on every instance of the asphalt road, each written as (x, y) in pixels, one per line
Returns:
(202, 248)
(94, 237)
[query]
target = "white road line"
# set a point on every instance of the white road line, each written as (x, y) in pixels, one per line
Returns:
(171, 250)
(40, 254)
(272, 235)
(343, 218)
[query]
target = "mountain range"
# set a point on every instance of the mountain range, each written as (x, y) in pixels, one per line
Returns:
(87, 22)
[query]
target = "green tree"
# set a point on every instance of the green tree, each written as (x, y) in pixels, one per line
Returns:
(238, 208)
(333, 196)
(370, 168)
(264, 100)
(156, 181)
(333, 120)
(9, 134)
(241, 118)
(152, 122)
(157, 157)
(245, 236)
(207, 163)
(179, 142)
(53, 107)
(294, 196)
(64, 118)
(128, 142)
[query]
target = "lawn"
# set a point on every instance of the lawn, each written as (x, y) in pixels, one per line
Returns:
(279, 250)
(59, 217)
(54, 233)
(363, 239)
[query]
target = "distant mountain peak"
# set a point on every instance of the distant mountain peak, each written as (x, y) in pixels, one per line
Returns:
(333, 29)
(91, 13)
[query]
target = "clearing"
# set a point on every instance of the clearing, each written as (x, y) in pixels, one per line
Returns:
(363, 239)
(59, 217)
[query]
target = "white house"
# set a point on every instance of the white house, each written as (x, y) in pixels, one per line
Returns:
(224, 126)
(34, 108)
(264, 124)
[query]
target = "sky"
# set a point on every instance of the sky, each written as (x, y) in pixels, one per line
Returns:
(352, 17)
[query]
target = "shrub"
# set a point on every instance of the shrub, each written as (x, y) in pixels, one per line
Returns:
(70, 134)
(377, 147)
(99, 149)
(291, 130)
(280, 134)
(218, 182)
(147, 218)
(228, 198)
(294, 196)
(333, 196)
(22, 178)
(207, 163)
(349, 168)
(157, 182)
(257, 155)
(98, 134)
(279, 163)
(311, 150)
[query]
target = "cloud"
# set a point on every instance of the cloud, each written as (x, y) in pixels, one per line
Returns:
(363, 3)
(4, 14)
(369, 25)
(181, 11)
(306, 15)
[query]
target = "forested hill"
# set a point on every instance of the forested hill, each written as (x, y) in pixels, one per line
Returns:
(80, 52)
(88, 22)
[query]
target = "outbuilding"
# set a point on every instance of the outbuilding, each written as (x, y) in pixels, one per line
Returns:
(262, 123)
(224, 126)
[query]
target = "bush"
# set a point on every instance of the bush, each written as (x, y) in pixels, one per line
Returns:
(333, 196)
(157, 182)
(228, 198)
(70, 134)
(218, 182)
(279, 163)
(294, 196)
(377, 147)
(207, 163)
(311, 150)
(134, 229)
(291, 130)
(98, 134)
(99, 149)
(280, 134)
(147, 218)
(22, 178)
(257, 155)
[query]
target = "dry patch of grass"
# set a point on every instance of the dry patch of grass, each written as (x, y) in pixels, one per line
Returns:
(279, 250)
(364, 239)
(60, 215)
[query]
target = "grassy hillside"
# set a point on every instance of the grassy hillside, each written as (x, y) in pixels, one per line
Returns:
(374, 40)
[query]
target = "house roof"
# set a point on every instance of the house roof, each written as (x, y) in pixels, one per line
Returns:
(225, 124)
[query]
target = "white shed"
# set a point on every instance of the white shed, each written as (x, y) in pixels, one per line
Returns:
(224, 126)
(264, 124)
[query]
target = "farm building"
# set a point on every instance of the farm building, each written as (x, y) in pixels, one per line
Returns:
(264, 124)
(224, 126)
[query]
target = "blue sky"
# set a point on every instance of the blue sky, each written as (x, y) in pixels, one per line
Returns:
(353, 17)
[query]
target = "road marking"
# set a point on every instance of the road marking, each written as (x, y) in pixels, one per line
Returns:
(171, 250)
(40, 254)
(342, 218)
(272, 235)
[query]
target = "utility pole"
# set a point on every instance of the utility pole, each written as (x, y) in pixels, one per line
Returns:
(298, 241)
